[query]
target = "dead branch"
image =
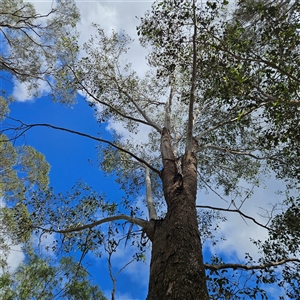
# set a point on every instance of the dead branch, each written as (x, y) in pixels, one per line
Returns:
(25, 127)
(252, 267)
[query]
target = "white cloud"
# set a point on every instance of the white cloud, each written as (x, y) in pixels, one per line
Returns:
(44, 242)
(97, 13)
(110, 15)
(42, 7)
(140, 137)
(22, 93)
(117, 16)
(14, 256)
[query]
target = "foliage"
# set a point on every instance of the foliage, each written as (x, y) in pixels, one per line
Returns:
(40, 278)
(283, 241)
(77, 207)
(246, 110)
(242, 74)
(35, 47)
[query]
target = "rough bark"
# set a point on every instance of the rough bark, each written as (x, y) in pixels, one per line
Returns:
(177, 269)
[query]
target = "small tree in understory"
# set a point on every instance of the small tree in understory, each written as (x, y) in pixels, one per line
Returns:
(221, 107)
(40, 277)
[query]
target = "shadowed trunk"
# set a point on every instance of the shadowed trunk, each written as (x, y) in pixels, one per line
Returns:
(177, 270)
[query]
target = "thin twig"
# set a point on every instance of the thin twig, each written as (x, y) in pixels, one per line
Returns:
(236, 211)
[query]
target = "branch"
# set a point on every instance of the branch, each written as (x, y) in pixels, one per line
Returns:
(209, 187)
(149, 121)
(29, 126)
(235, 211)
(137, 221)
(189, 138)
(274, 99)
(258, 60)
(117, 111)
(199, 136)
(21, 72)
(150, 202)
(237, 152)
(253, 267)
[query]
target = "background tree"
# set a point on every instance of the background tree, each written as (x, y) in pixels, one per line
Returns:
(23, 171)
(220, 106)
(35, 47)
(40, 278)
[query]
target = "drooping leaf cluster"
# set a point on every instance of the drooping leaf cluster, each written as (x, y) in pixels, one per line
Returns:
(78, 207)
(24, 178)
(235, 284)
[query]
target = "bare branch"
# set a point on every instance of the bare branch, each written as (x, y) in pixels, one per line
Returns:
(209, 187)
(218, 125)
(117, 111)
(143, 113)
(137, 221)
(111, 248)
(274, 99)
(253, 267)
(25, 127)
(238, 152)
(235, 211)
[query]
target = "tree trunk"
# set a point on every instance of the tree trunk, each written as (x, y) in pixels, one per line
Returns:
(177, 270)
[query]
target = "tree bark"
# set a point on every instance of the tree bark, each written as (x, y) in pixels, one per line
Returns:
(177, 269)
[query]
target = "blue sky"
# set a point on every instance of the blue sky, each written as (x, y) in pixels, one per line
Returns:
(74, 158)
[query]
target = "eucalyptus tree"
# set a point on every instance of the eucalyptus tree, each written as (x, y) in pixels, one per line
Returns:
(42, 278)
(23, 170)
(220, 107)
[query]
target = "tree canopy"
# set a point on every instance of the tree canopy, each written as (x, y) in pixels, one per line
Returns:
(36, 46)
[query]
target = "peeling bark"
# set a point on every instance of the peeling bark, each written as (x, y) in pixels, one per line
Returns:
(149, 198)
